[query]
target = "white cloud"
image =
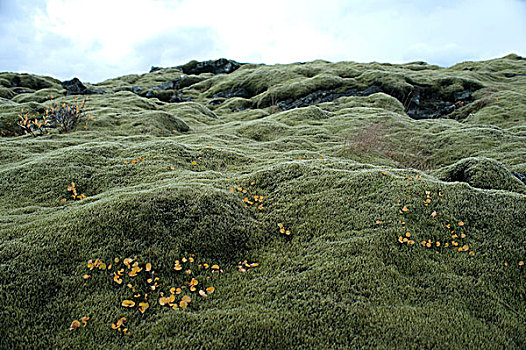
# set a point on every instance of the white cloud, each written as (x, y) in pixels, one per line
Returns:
(100, 39)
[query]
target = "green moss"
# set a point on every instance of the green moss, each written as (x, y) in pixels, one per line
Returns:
(482, 173)
(162, 181)
(31, 81)
(6, 93)
(39, 96)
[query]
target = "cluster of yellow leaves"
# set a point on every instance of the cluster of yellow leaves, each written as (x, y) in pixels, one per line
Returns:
(143, 282)
(245, 266)
(456, 238)
(405, 239)
(31, 123)
(249, 199)
(283, 230)
(417, 176)
(194, 162)
(119, 325)
(76, 324)
(74, 193)
(135, 160)
(189, 266)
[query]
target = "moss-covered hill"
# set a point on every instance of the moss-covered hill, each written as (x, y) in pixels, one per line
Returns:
(376, 205)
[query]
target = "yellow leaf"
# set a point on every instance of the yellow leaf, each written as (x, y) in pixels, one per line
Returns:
(193, 289)
(128, 303)
(194, 162)
(461, 223)
(172, 298)
(117, 279)
(215, 267)
(84, 320)
(183, 304)
(202, 293)
(194, 282)
(164, 300)
(148, 267)
(121, 321)
(433, 214)
(74, 325)
(405, 208)
(186, 298)
(210, 290)
(143, 307)
(127, 262)
(178, 267)
(86, 276)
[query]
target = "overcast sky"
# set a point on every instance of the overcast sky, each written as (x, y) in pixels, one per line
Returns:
(100, 39)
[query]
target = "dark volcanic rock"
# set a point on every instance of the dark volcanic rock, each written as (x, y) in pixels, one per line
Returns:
(75, 87)
(178, 97)
(425, 102)
(136, 89)
(169, 85)
(239, 92)
(512, 75)
(315, 97)
(520, 176)
(220, 66)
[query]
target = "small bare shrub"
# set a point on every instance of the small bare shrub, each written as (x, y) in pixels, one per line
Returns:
(64, 117)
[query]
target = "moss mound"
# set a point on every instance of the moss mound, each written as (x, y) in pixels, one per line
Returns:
(482, 173)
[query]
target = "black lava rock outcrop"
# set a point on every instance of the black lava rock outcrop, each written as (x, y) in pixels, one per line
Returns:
(75, 87)
(220, 66)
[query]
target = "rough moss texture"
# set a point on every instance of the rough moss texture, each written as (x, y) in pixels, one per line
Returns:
(337, 152)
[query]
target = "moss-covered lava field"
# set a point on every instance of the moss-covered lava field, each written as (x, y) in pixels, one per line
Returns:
(238, 206)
